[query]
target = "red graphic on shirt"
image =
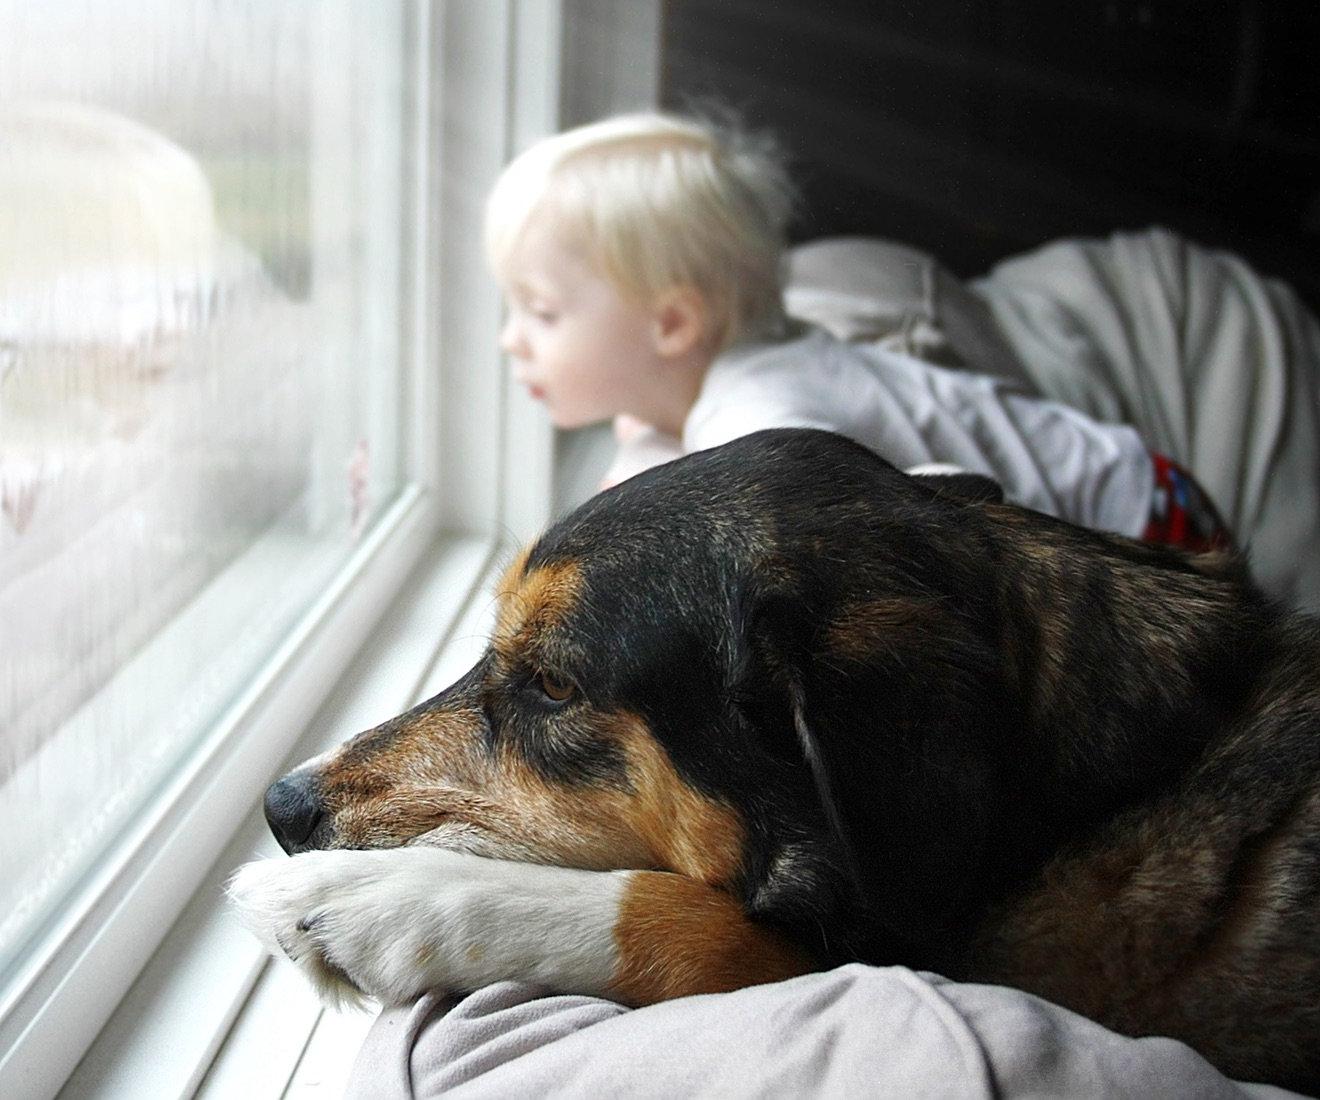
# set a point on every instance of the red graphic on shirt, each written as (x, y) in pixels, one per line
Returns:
(1181, 513)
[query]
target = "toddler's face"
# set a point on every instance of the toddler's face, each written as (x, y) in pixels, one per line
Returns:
(577, 344)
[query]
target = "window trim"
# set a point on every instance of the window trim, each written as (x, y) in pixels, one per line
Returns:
(93, 952)
(169, 1027)
(497, 90)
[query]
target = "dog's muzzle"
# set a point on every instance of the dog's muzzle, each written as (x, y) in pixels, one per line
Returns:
(293, 810)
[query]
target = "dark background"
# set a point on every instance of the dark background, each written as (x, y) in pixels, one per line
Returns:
(981, 128)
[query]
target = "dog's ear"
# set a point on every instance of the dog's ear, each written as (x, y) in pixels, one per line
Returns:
(821, 780)
(959, 484)
(803, 876)
(890, 708)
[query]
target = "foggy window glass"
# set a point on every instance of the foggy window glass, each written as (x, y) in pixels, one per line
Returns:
(200, 382)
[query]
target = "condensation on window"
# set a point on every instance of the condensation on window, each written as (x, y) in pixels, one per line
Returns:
(200, 382)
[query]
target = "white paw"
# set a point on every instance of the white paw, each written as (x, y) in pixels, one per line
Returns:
(338, 916)
(395, 924)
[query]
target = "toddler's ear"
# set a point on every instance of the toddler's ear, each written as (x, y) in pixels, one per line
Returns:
(679, 321)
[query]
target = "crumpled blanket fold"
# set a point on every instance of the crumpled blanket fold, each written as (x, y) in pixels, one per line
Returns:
(1217, 366)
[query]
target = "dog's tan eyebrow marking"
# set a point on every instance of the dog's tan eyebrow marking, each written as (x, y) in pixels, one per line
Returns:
(511, 576)
(533, 602)
(676, 937)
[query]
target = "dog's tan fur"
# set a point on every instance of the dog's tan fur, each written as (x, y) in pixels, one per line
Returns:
(432, 771)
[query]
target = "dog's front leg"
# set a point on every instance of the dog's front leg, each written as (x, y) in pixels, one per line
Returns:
(395, 924)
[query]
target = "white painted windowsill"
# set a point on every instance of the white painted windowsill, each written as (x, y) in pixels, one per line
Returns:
(211, 1016)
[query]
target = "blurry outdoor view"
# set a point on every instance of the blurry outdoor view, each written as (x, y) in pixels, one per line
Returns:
(200, 314)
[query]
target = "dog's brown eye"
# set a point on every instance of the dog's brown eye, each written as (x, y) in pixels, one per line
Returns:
(558, 690)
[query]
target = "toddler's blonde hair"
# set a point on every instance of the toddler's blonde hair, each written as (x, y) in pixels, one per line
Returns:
(654, 202)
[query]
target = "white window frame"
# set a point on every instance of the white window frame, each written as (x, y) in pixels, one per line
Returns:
(479, 457)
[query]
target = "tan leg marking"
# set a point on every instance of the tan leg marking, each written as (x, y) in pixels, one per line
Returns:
(677, 938)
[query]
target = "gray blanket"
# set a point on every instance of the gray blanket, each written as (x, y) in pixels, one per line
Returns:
(855, 1031)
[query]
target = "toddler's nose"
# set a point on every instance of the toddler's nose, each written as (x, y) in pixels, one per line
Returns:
(511, 341)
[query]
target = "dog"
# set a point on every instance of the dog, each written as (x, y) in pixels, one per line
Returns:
(776, 706)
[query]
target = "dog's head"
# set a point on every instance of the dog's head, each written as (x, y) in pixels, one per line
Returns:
(781, 667)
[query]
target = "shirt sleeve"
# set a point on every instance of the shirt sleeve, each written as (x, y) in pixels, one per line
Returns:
(792, 387)
(732, 422)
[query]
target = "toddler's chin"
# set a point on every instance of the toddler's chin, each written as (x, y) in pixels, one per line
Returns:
(569, 419)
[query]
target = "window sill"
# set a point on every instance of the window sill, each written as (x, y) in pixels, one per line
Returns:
(209, 1015)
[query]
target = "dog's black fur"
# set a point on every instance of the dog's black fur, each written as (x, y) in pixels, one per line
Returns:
(957, 735)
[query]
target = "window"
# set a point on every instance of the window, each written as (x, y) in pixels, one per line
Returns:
(248, 373)
(199, 413)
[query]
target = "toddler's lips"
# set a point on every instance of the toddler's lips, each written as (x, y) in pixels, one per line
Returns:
(536, 391)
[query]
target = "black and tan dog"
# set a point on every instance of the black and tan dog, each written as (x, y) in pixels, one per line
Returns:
(776, 705)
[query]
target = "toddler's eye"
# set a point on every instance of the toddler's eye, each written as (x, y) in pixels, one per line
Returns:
(557, 691)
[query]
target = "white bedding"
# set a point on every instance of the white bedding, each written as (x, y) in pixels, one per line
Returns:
(1217, 366)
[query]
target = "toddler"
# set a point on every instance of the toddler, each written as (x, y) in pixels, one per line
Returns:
(641, 257)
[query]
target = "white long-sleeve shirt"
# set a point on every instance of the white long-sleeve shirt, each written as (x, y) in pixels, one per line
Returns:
(1045, 455)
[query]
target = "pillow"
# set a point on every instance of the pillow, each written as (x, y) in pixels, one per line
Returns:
(864, 288)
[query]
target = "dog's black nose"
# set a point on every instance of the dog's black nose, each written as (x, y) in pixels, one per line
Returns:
(293, 810)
